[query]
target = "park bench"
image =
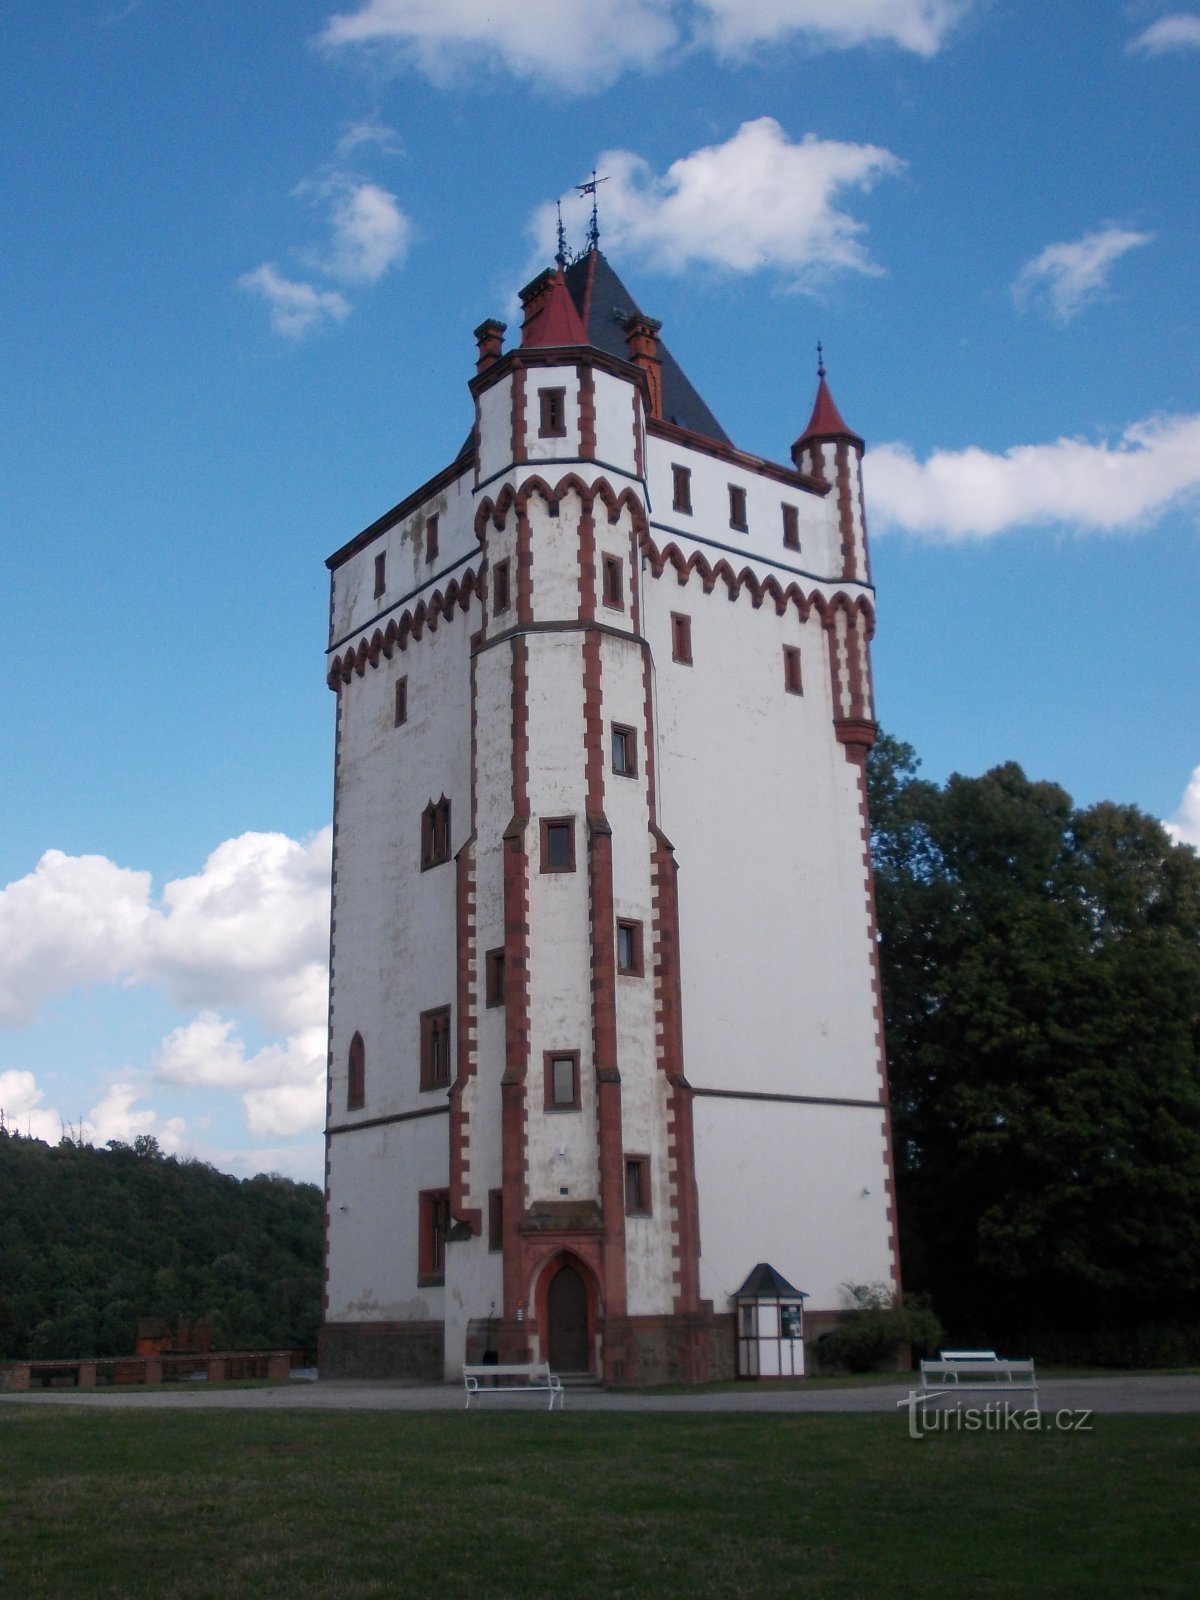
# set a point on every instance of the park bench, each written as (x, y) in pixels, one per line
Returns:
(533, 1377)
(959, 1372)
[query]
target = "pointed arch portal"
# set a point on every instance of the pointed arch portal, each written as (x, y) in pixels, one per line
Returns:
(568, 1344)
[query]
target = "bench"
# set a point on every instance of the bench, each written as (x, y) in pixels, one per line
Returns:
(958, 1372)
(533, 1377)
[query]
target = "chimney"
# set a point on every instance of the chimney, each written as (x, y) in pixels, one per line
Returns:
(489, 336)
(642, 334)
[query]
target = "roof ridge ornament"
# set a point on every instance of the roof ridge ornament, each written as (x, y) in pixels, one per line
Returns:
(820, 360)
(593, 233)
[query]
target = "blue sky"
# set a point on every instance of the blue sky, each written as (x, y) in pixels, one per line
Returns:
(244, 249)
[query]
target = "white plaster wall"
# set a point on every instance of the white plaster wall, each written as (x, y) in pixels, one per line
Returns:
(615, 539)
(614, 422)
(495, 428)
(567, 379)
(555, 547)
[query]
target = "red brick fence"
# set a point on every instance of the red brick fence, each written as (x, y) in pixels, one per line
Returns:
(225, 1364)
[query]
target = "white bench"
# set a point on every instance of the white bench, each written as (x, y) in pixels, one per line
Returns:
(532, 1377)
(958, 1372)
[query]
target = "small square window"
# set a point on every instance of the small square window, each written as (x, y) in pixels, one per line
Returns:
(500, 587)
(431, 537)
(380, 573)
(681, 489)
(681, 638)
(435, 1048)
(434, 1226)
(562, 1080)
(494, 976)
(792, 681)
(558, 844)
(435, 833)
(791, 527)
(553, 421)
(624, 751)
(401, 701)
(495, 1219)
(637, 1185)
(737, 507)
(614, 583)
(629, 949)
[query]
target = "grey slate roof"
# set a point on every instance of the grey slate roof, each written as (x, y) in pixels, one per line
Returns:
(764, 1283)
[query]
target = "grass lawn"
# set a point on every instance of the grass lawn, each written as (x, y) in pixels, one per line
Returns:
(475, 1506)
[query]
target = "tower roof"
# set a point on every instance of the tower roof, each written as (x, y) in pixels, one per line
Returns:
(765, 1283)
(826, 421)
(550, 314)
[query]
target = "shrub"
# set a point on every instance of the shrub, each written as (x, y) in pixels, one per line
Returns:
(875, 1333)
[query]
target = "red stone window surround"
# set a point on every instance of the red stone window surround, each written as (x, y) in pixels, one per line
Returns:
(435, 1048)
(493, 970)
(562, 1080)
(737, 507)
(637, 1186)
(613, 582)
(558, 844)
(681, 489)
(401, 701)
(380, 573)
(356, 1075)
(629, 949)
(500, 587)
(435, 833)
(431, 537)
(792, 680)
(681, 638)
(495, 1233)
(552, 422)
(624, 751)
(791, 527)
(434, 1208)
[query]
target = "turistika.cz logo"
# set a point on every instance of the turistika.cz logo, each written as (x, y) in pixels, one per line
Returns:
(995, 1417)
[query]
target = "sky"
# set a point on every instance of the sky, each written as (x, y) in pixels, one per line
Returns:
(244, 249)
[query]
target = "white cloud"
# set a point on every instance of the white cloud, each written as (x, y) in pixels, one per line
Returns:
(369, 132)
(295, 307)
(21, 1103)
(1184, 826)
(1153, 467)
(756, 202)
(917, 25)
(370, 232)
(112, 1117)
(1067, 277)
(1181, 31)
(283, 1083)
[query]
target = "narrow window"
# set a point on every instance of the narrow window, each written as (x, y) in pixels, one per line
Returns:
(553, 423)
(356, 1075)
(435, 833)
(435, 1048)
(401, 701)
(494, 976)
(380, 573)
(614, 583)
(791, 527)
(629, 948)
(792, 680)
(624, 751)
(431, 537)
(681, 488)
(681, 638)
(495, 1219)
(562, 1080)
(637, 1185)
(558, 844)
(737, 507)
(500, 587)
(434, 1226)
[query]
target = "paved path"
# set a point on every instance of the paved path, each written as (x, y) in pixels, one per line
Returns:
(1166, 1395)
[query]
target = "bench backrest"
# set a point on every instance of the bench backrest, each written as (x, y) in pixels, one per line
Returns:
(977, 1369)
(522, 1369)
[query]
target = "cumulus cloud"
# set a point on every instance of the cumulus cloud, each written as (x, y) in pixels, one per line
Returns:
(917, 25)
(283, 1084)
(1121, 486)
(1067, 277)
(21, 1102)
(1184, 826)
(112, 1117)
(1180, 31)
(757, 202)
(295, 307)
(367, 131)
(370, 232)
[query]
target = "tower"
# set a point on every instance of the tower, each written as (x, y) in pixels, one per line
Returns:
(604, 1011)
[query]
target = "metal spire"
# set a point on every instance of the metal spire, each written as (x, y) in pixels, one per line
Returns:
(561, 257)
(593, 235)
(820, 360)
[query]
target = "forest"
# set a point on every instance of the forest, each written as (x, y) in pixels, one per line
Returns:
(92, 1240)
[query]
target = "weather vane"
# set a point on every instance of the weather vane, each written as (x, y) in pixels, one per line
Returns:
(593, 237)
(561, 257)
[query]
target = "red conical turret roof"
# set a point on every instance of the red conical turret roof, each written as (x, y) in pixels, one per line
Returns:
(551, 317)
(826, 421)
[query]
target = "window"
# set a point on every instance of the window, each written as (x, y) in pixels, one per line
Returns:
(435, 833)
(681, 638)
(637, 1185)
(681, 489)
(356, 1075)
(629, 948)
(792, 680)
(624, 751)
(431, 537)
(380, 574)
(435, 1048)
(401, 701)
(562, 1080)
(495, 1219)
(493, 964)
(435, 1224)
(558, 844)
(614, 583)
(553, 424)
(737, 507)
(500, 587)
(791, 527)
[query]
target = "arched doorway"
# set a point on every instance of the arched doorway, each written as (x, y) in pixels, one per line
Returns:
(569, 1347)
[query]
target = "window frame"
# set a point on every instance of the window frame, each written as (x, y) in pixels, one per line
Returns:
(495, 1220)
(356, 1074)
(638, 1197)
(432, 536)
(636, 967)
(549, 1059)
(624, 738)
(400, 714)
(681, 488)
(435, 833)
(433, 1231)
(737, 508)
(791, 526)
(545, 825)
(793, 672)
(493, 977)
(612, 582)
(681, 638)
(552, 413)
(380, 573)
(436, 1062)
(501, 588)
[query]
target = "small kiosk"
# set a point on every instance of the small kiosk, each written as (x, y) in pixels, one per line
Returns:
(770, 1325)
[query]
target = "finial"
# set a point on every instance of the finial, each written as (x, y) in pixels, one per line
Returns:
(820, 360)
(561, 257)
(593, 236)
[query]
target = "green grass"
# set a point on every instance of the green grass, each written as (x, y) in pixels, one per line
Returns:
(505, 1503)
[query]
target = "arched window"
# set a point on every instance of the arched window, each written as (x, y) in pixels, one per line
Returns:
(356, 1077)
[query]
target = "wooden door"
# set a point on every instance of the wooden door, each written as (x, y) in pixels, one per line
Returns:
(567, 1319)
